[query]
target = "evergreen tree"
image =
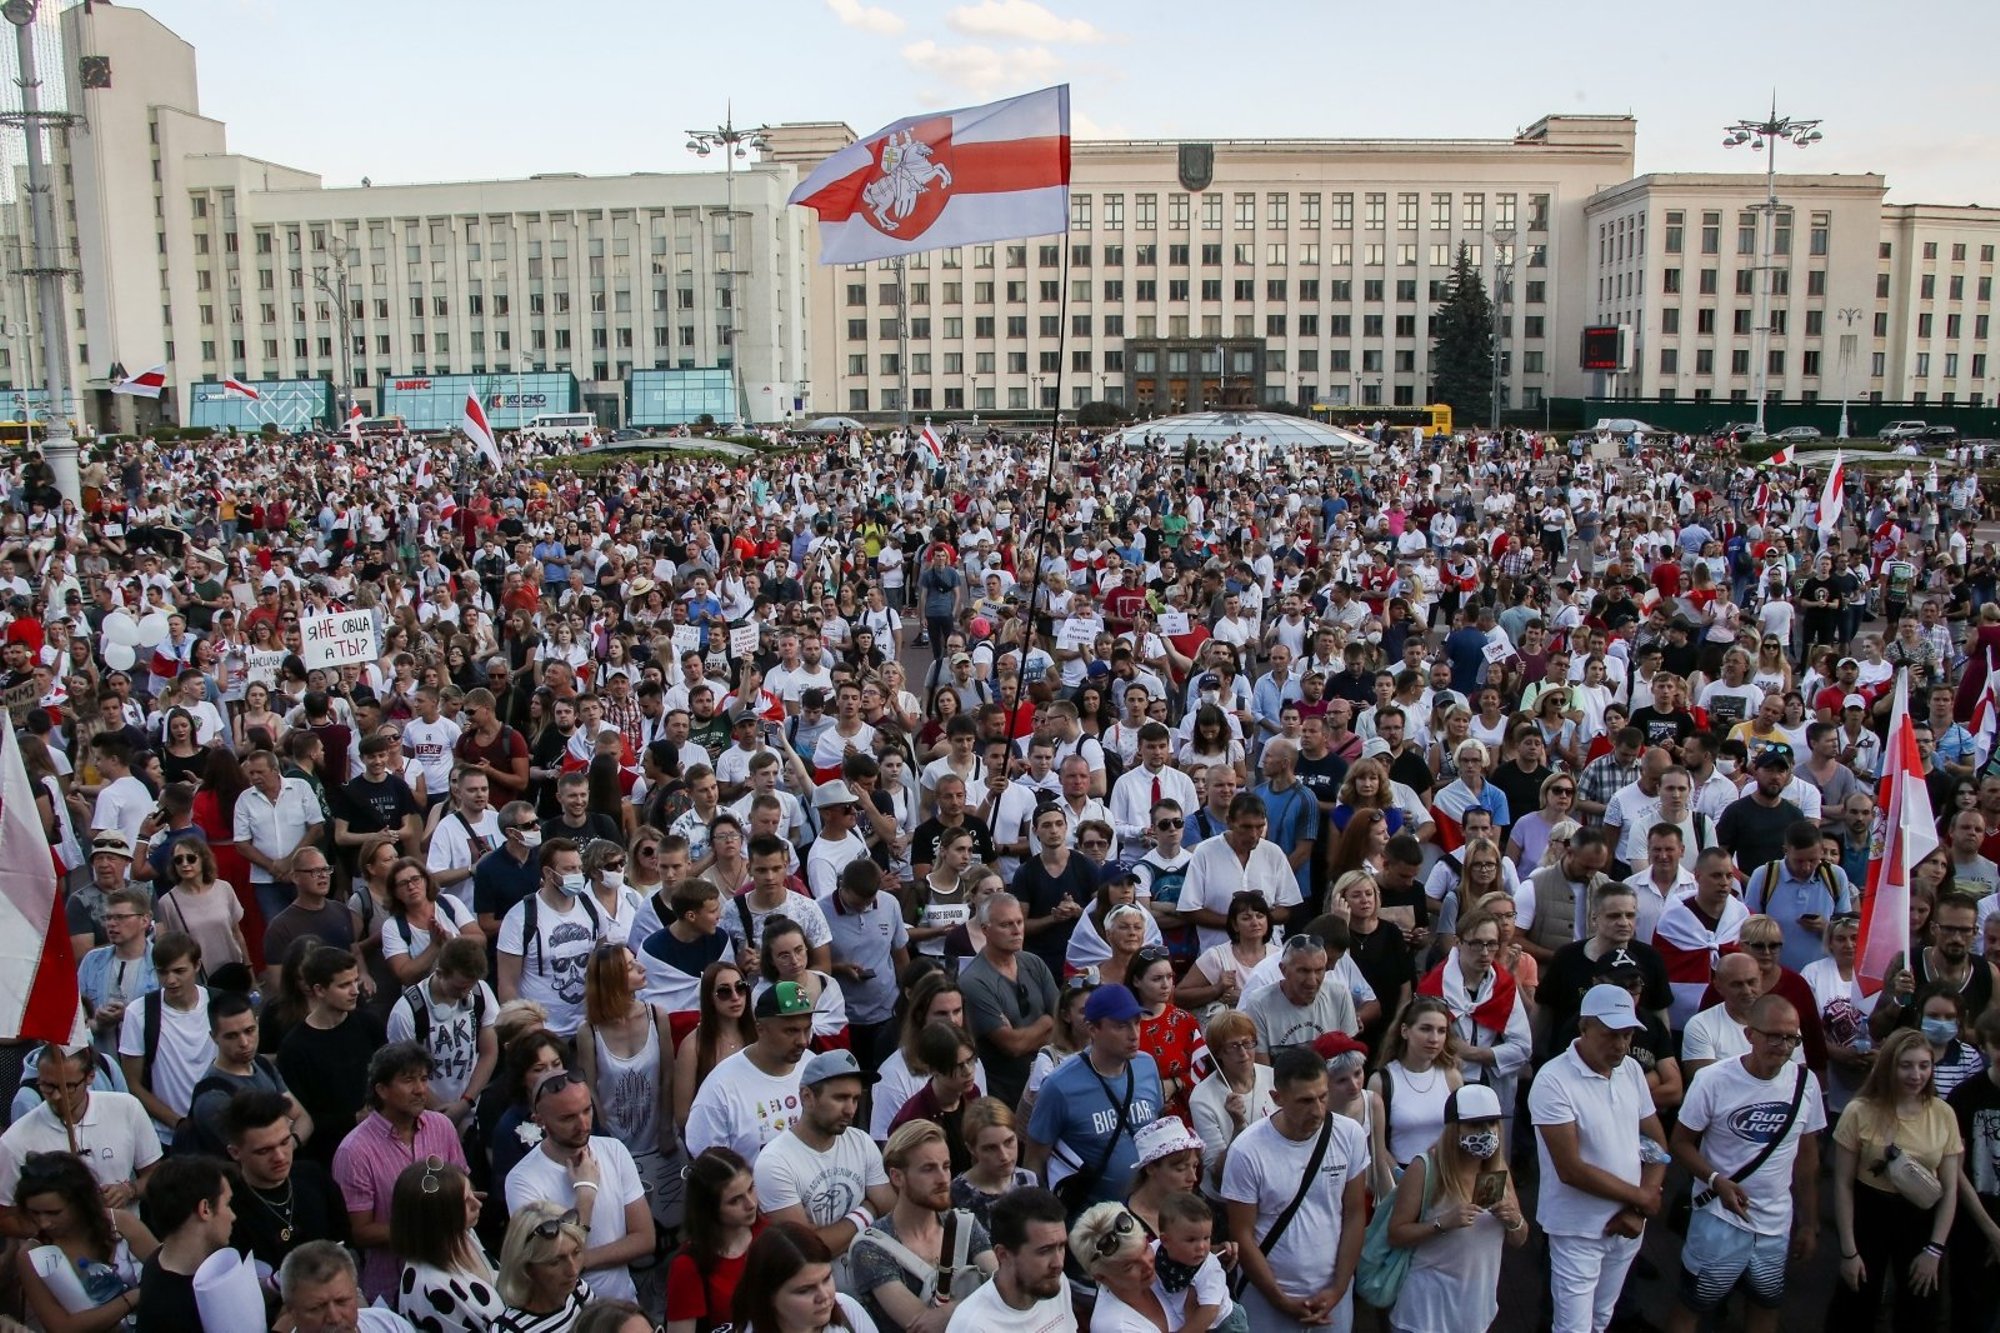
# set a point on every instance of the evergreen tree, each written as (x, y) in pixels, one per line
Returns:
(1462, 352)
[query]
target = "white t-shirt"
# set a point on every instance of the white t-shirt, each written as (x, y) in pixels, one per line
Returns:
(796, 906)
(1265, 1168)
(452, 849)
(400, 938)
(1713, 1035)
(1216, 874)
(186, 1051)
(123, 805)
(826, 1184)
(739, 1106)
(430, 744)
(986, 1311)
(553, 963)
(1736, 1113)
(453, 1045)
(539, 1177)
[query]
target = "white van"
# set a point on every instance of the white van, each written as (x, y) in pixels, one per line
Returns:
(578, 427)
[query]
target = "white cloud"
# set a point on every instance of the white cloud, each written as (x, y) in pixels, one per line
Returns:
(981, 71)
(1022, 21)
(868, 18)
(1084, 126)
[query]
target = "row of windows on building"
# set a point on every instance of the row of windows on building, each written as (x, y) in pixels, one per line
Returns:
(1811, 362)
(1742, 321)
(1154, 397)
(1106, 212)
(1241, 254)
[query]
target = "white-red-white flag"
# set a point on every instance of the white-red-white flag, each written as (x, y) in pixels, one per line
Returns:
(1986, 717)
(478, 431)
(1783, 458)
(39, 998)
(233, 388)
(929, 438)
(354, 424)
(1832, 497)
(1904, 835)
(145, 384)
(979, 173)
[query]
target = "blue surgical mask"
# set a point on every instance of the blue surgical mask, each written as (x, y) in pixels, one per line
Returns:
(574, 884)
(1938, 1031)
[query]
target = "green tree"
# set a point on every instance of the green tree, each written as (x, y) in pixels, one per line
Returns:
(1462, 352)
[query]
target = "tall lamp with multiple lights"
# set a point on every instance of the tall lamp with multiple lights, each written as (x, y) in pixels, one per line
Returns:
(1765, 136)
(735, 143)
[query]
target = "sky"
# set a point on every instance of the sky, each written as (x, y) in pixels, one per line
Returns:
(422, 90)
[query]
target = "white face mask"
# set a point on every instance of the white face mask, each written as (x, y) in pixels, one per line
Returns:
(1725, 766)
(531, 838)
(613, 879)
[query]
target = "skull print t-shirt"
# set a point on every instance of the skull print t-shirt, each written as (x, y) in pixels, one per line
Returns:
(553, 959)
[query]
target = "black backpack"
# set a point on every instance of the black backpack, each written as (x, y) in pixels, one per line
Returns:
(420, 1012)
(190, 1134)
(531, 915)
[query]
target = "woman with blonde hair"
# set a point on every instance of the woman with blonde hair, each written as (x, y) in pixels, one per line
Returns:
(993, 1136)
(1454, 1276)
(1888, 1234)
(541, 1270)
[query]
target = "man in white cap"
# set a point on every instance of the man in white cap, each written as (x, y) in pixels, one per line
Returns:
(839, 842)
(1600, 1146)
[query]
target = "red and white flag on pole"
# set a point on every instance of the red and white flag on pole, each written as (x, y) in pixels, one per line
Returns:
(1830, 499)
(145, 384)
(1783, 458)
(929, 439)
(479, 432)
(1904, 835)
(1986, 717)
(232, 388)
(354, 424)
(39, 999)
(980, 173)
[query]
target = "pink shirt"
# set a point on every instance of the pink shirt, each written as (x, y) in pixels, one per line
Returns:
(366, 1165)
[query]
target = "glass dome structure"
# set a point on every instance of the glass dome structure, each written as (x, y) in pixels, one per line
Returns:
(1273, 430)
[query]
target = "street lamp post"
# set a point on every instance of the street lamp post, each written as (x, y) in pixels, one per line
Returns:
(735, 143)
(45, 270)
(1503, 259)
(1765, 136)
(336, 290)
(1848, 314)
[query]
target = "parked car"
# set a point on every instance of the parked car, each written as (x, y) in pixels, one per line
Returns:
(1901, 430)
(1793, 433)
(1935, 437)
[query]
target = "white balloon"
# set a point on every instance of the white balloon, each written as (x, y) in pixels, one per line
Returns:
(152, 629)
(120, 628)
(120, 656)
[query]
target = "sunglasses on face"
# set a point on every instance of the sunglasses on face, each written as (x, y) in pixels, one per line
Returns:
(1113, 1239)
(1168, 825)
(740, 989)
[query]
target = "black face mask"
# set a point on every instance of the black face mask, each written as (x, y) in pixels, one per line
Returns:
(1174, 1275)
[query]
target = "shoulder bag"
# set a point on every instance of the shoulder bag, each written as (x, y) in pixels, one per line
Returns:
(1283, 1220)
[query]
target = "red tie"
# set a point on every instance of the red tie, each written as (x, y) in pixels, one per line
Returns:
(1156, 790)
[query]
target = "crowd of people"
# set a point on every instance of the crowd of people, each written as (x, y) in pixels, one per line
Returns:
(1062, 882)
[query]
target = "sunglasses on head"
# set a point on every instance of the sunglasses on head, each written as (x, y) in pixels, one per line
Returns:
(551, 1227)
(557, 1083)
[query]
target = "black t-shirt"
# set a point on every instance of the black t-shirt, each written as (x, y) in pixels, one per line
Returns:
(1814, 588)
(1323, 776)
(1753, 833)
(546, 752)
(166, 1300)
(924, 842)
(1039, 892)
(327, 1071)
(1412, 770)
(1571, 971)
(593, 827)
(377, 807)
(1663, 728)
(1521, 786)
(312, 1210)
(1384, 959)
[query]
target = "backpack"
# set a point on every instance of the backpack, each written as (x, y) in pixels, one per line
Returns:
(531, 914)
(420, 1012)
(190, 1134)
(1775, 868)
(955, 1274)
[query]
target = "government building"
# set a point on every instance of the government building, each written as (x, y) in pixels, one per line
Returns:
(1195, 274)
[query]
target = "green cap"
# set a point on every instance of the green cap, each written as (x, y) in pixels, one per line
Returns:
(787, 999)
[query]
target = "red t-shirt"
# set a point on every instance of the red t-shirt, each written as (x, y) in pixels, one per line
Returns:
(704, 1297)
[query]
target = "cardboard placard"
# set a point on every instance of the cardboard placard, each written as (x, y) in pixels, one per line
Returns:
(743, 641)
(337, 639)
(687, 639)
(1173, 622)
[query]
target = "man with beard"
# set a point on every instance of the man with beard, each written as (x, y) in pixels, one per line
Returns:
(751, 1098)
(590, 1174)
(1028, 1293)
(922, 1223)
(824, 1173)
